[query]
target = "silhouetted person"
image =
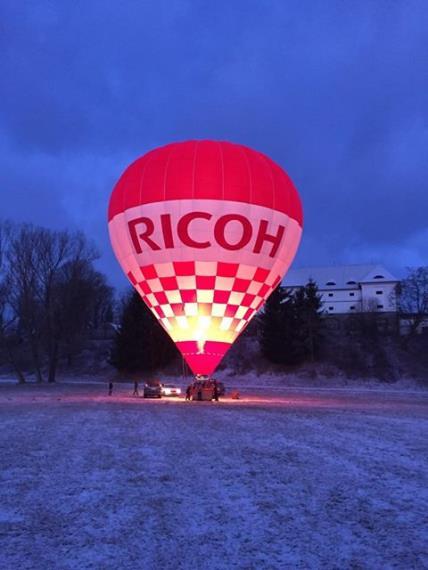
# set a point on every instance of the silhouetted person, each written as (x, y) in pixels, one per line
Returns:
(188, 392)
(135, 392)
(110, 388)
(199, 393)
(215, 391)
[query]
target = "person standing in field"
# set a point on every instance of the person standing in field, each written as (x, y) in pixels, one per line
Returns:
(135, 392)
(110, 388)
(215, 391)
(188, 392)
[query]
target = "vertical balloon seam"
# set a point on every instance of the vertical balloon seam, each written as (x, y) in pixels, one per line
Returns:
(220, 145)
(165, 176)
(271, 178)
(141, 182)
(250, 173)
(273, 191)
(140, 193)
(195, 151)
(127, 240)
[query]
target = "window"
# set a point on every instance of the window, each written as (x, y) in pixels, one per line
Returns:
(330, 283)
(352, 294)
(352, 308)
(331, 308)
(378, 277)
(330, 294)
(379, 292)
(351, 282)
(380, 306)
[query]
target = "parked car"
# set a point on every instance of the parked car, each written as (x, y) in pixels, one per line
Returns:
(170, 390)
(152, 391)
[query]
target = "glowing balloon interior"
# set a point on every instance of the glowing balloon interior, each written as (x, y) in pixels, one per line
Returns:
(204, 231)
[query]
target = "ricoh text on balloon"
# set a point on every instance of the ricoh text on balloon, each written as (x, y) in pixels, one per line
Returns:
(170, 232)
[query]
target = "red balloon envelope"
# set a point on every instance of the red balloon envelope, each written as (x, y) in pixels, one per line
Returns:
(205, 231)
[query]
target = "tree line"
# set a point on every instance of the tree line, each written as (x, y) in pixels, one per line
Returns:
(51, 296)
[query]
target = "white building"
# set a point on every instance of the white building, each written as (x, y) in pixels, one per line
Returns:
(349, 288)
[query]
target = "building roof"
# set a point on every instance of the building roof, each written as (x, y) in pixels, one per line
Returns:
(338, 277)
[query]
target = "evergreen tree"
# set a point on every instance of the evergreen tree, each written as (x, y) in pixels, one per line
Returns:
(278, 328)
(271, 321)
(292, 350)
(140, 344)
(308, 307)
(291, 325)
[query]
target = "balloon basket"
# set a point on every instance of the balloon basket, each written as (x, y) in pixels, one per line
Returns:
(202, 390)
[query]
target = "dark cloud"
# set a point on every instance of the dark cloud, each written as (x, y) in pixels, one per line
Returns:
(336, 92)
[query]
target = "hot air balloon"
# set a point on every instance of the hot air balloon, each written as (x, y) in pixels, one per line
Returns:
(205, 231)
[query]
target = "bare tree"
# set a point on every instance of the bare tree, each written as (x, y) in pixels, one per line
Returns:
(412, 294)
(54, 288)
(9, 338)
(81, 301)
(24, 285)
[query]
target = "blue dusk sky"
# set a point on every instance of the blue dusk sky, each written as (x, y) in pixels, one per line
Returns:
(335, 91)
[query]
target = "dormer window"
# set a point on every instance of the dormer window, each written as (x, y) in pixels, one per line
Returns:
(378, 277)
(330, 283)
(351, 282)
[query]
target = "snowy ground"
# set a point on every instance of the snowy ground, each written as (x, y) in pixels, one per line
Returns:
(279, 479)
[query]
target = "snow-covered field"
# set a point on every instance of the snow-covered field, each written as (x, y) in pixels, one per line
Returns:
(278, 479)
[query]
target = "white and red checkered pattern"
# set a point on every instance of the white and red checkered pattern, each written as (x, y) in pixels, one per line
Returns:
(189, 297)
(175, 219)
